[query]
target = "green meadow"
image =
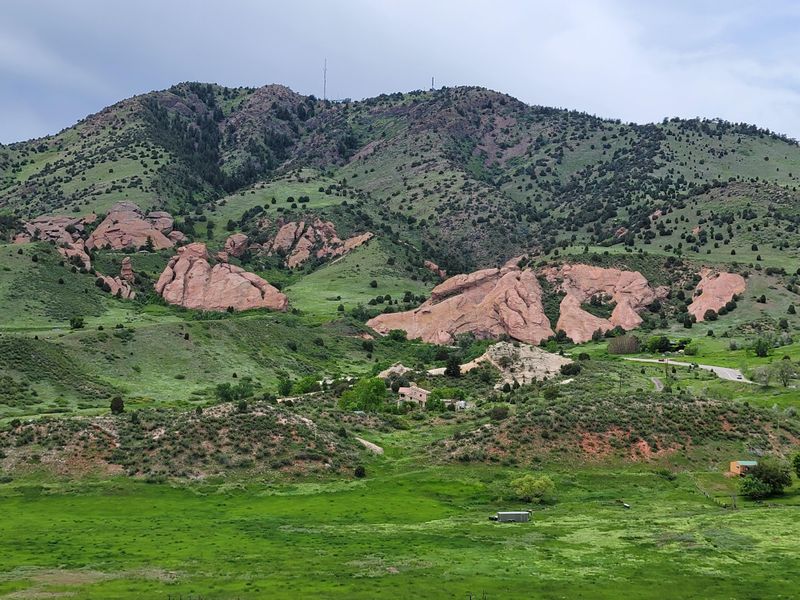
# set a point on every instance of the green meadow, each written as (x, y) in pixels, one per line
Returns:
(407, 530)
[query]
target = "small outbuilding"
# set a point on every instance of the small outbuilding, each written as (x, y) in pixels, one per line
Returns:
(741, 467)
(512, 516)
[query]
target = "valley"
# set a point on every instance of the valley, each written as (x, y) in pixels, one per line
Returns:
(213, 300)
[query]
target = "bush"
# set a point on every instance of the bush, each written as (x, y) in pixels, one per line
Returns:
(117, 405)
(76, 323)
(397, 335)
(774, 473)
(550, 393)
(754, 488)
(570, 369)
(360, 472)
(534, 489)
(498, 413)
(761, 347)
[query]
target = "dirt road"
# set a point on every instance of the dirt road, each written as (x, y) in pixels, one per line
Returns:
(721, 372)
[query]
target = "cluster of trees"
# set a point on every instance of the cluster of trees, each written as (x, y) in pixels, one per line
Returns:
(783, 370)
(768, 478)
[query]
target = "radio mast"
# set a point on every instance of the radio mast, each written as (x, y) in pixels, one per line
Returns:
(325, 80)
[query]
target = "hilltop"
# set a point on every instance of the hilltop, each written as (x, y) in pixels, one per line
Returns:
(456, 168)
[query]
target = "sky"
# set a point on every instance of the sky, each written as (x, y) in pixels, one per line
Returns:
(633, 60)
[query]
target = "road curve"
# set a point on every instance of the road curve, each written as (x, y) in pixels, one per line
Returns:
(722, 372)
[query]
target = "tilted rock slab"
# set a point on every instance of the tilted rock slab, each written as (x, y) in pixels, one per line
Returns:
(298, 241)
(487, 303)
(126, 227)
(189, 280)
(714, 291)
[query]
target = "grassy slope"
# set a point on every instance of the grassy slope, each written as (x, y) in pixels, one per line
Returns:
(347, 281)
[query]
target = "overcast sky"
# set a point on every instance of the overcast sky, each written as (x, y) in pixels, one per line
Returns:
(634, 60)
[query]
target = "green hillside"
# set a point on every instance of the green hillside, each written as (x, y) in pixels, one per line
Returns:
(143, 426)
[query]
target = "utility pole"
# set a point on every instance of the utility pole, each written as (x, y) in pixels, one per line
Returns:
(325, 80)
(432, 85)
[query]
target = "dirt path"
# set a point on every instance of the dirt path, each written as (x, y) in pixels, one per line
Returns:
(722, 372)
(657, 382)
(374, 448)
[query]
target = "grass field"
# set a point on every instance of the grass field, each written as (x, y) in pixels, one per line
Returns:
(409, 532)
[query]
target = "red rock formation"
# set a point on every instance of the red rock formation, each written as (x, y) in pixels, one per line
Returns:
(126, 227)
(120, 286)
(298, 241)
(126, 270)
(486, 303)
(508, 301)
(161, 220)
(177, 236)
(189, 280)
(236, 244)
(714, 291)
(628, 289)
(75, 252)
(117, 287)
(435, 269)
(53, 228)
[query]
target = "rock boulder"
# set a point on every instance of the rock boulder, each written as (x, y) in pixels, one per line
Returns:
(126, 227)
(714, 291)
(190, 280)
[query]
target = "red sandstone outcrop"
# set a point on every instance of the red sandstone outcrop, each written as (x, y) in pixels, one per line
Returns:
(161, 220)
(714, 291)
(122, 285)
(628, 289)
(126, 270)
(487, 303)
(299, 241)
(492, 302)
(435, 269)
(189, 280)
(54, 228)
(126, 227)
(117, 286)
(236, 245)
(177, 237)
(75, 253)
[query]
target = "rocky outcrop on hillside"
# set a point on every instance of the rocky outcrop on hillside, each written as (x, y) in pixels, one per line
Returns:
(435, 269)
(122, 285)
(298, 241)
(64, 231)
(191, 281)
(628, 290)
(58, 229)
(126, 226)
(493, 302)
(236, 245)
(487, 303)
(116, 286)
(75, 253)
(714, 291)
(126, 270)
